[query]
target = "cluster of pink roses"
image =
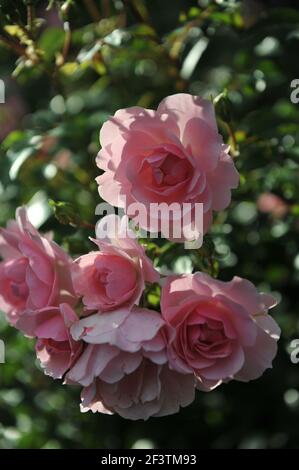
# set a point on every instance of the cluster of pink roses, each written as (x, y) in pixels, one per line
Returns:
(85, 314)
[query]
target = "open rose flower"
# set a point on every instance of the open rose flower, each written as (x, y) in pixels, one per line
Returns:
(124, 368)
(34, 273)
(172, 155)
(55, 347)
(114, 276)
(223, 330)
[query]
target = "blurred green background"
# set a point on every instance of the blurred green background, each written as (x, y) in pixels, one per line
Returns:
(67, 66)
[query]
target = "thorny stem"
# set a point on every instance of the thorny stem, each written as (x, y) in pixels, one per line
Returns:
(67, 40)
(30, 17)
(86, 225)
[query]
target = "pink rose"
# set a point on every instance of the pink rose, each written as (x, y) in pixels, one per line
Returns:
(114, 276)
(35, 272)
(124, 368)
(172, 155)
(272, 204)
(55, 347)
(223, 330)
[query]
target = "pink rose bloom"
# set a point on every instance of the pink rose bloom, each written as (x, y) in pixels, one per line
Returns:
(55, 347)
(272, 204)
(124, 368)
(115, 276)
(223, 330)
(35, 272)
(172, 155)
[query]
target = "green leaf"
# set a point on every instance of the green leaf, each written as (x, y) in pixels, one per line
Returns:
(65, 213)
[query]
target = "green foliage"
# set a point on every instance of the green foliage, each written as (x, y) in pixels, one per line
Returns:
(67, 66)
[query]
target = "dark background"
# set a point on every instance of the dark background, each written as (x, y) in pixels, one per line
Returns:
(60, 88)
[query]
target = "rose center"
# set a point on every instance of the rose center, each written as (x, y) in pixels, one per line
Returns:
(102, 277)
(113, 277)
(169, 171)
(211, 336)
